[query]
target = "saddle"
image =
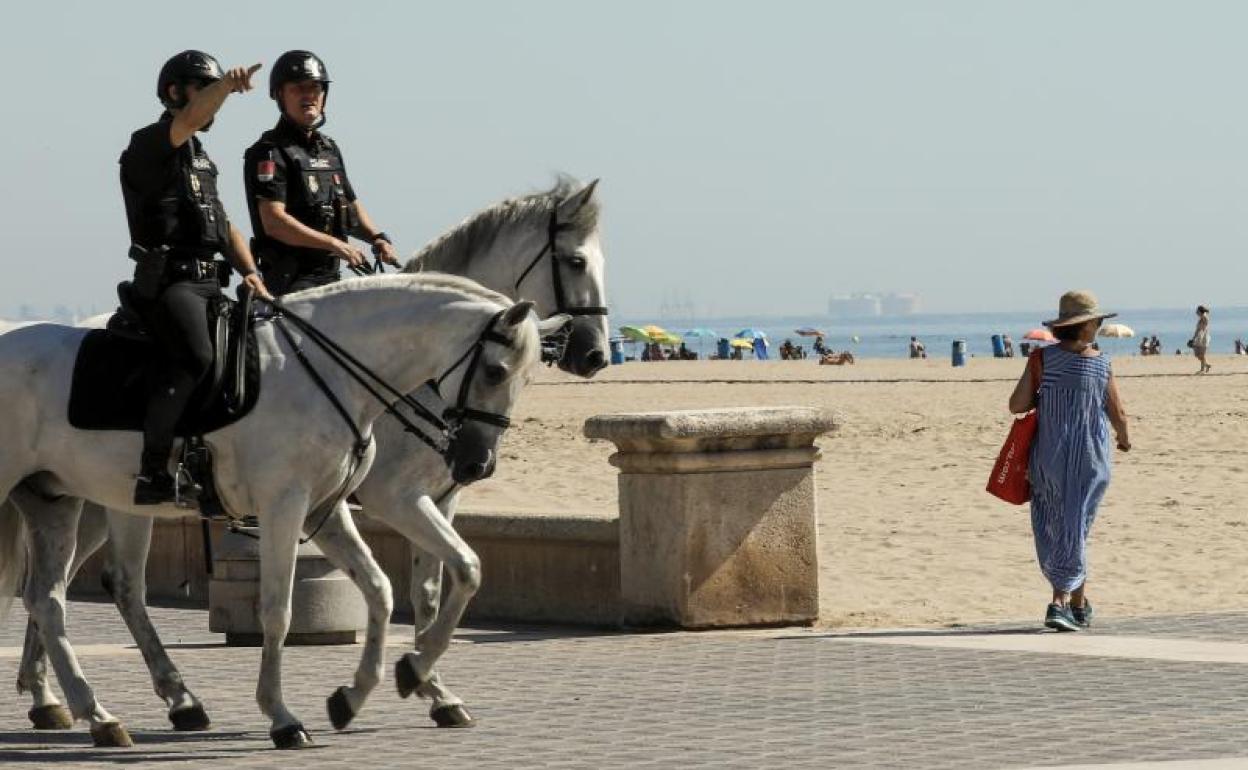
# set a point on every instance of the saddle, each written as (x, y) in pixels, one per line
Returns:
(114, 371)
(114, 374)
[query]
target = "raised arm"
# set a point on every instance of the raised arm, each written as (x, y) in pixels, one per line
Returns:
(202, 106)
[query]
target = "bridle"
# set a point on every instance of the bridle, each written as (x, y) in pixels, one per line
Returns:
(460, 413)
(555, 345)
(446, 425)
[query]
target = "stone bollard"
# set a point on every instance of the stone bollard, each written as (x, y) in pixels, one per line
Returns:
(326, 607)
(717, 514)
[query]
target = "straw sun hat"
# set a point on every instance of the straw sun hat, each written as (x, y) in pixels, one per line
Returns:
(1076, 307)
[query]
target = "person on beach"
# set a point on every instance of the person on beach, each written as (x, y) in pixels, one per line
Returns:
(1069, 467)
(916, 348)
(1200, 338)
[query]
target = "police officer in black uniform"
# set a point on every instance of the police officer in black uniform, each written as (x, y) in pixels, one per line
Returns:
(177, 227)
(302, 205)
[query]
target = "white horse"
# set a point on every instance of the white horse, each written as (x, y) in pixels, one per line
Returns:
(494, 247)
(408, 328)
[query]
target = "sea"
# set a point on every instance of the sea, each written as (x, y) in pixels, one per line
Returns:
(889, 337)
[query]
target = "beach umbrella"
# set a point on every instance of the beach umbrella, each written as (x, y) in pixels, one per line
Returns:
(741, 342)
(810, 331)
(655, 331)
(701, 332)
(1116, 330)
(751, 334)
(1040, 335)
(634, 334)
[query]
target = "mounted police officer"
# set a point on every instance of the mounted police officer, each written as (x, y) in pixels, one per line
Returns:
(177, 227)
(302, 205)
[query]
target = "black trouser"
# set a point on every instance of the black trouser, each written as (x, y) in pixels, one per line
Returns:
(179, 320)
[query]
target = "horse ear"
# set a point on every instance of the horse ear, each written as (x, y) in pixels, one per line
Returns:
(553, 325)
(516, 314)
(577, 200)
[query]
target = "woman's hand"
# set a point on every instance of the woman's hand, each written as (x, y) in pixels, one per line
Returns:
(1124, 444)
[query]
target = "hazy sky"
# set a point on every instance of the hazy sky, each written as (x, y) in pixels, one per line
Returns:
(756, 156)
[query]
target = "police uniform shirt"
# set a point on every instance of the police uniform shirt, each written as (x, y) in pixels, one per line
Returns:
(152, 177)
(268, 175)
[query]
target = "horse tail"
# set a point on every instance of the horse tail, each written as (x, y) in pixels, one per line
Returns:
(12, 555)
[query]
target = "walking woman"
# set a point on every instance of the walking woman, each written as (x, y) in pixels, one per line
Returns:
(1070, 454)
(1200, 338)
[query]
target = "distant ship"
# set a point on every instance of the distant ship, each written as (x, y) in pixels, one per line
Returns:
(867, 305)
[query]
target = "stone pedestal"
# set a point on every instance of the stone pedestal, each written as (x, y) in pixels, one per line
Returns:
(717, 514)
(326, 607)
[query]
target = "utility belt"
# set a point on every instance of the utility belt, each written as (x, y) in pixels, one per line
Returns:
(156, 268)
(194, 269)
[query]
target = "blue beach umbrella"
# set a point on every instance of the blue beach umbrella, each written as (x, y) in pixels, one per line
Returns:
(751, 334)
(701, 332)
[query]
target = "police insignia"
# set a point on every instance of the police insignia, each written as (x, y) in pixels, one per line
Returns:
(265, 170)
(312, 184)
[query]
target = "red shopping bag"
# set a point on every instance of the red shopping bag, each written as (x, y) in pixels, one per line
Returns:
(1009, 479)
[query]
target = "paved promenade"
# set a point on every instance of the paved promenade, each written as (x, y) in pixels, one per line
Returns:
(1136, 693)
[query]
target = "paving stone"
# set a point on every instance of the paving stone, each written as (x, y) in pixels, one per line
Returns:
(570, 699)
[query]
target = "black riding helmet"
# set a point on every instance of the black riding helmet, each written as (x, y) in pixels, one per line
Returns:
(186, 67)
(296, 67)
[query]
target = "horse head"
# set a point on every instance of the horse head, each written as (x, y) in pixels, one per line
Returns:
(580, 262)
(486, 386)
(544, 247)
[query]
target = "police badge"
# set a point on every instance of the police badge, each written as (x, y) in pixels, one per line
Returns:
(313, 186)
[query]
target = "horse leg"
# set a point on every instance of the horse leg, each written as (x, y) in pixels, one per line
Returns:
(278, 548)
(341, 543)
(52, 526)
(46, 712)
(426, 586)
(130, 539)
(432, 532)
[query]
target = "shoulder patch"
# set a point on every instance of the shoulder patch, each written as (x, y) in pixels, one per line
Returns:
(265, 170)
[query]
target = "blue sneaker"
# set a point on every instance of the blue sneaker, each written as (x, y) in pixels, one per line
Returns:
(1082, 615)
(1060, 619)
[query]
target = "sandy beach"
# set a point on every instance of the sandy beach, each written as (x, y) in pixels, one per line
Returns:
(907, 534)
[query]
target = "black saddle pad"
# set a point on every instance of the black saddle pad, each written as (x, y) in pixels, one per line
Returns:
(112, 383)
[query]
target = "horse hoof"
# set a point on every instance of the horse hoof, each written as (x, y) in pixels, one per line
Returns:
(405, 675)
(340, 711)
(50, 717)
(291, 737)
(453, 716)
(190, 718)
(109, 735)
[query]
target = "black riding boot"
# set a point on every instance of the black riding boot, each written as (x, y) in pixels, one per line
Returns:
(155, 485)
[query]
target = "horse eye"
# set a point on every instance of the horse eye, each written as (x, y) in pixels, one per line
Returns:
(577, 262)
(495, 373)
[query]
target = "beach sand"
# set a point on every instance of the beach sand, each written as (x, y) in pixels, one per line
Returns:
(907, 535)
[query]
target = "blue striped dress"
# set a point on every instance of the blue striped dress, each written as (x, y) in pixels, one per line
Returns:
(1070, 462)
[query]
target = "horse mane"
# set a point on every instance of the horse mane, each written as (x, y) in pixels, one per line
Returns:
(450, 252)
(429, 281)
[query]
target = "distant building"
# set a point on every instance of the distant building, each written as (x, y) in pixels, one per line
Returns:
(849, 306)
(867, 305)
(899, 304)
